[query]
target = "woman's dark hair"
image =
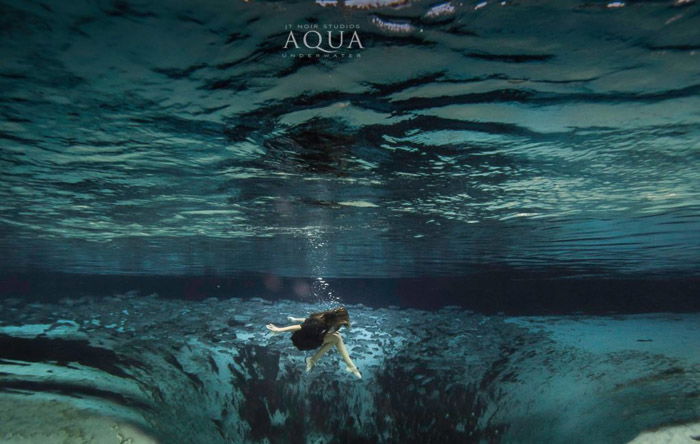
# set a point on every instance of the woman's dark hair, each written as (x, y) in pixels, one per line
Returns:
(333, 318)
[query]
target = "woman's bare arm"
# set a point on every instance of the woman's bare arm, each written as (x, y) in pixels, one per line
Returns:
(276, 329)
(293, 319)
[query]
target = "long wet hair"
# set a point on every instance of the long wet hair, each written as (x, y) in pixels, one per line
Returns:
(332, 319)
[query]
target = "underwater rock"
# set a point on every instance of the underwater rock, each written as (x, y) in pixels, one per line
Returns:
(209, 372)
(678, 434)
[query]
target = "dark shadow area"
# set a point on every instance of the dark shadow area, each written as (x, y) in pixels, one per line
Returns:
(63, 352)
(508, 292)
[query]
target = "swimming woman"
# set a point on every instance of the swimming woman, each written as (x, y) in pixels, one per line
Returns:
(320, 330)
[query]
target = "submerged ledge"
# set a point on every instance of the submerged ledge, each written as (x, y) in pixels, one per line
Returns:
(209, 372)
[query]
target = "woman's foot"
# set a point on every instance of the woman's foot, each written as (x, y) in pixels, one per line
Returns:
(309, 364)
(354, 371)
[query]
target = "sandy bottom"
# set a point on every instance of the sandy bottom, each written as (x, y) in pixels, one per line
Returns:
(55, 422)
(680, 434)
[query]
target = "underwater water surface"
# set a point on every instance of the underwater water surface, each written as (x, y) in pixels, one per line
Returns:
(180, 137)
(504, 194)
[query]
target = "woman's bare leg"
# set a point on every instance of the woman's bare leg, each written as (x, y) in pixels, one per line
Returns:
(346, 357)
(310, 362)
(328, 342)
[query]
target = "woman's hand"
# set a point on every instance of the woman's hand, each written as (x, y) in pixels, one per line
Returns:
(273, 328)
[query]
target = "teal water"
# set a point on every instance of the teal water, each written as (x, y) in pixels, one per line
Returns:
(505, 195)
(182, 138)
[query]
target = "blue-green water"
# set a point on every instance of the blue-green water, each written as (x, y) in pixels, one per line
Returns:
(181, 138)
(506, 195)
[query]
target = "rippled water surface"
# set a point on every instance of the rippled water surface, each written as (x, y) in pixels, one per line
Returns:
(181, 137)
